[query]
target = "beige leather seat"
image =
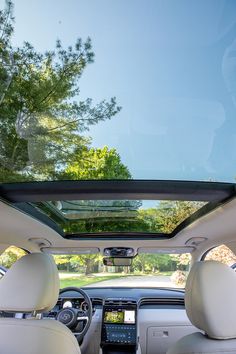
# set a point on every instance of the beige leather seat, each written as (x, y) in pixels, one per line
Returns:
(210, 302)
(32, 285)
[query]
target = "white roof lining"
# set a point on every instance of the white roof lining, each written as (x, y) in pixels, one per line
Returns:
(17, 228)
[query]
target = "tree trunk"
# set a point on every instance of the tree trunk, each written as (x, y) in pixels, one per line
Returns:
(88, 267)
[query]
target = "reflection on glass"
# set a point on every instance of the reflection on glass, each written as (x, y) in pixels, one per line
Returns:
(174, 78)
(84, 216)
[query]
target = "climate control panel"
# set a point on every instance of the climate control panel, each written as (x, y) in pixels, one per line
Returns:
(120, 334)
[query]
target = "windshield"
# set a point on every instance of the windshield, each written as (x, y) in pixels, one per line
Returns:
(142, 89)
(147, 270)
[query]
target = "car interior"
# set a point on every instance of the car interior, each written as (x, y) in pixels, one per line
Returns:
(118, 177)
(144, 319)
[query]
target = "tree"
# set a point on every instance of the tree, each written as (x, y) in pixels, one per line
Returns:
(10, 256)
(95, 163)
(89, 262)
(221, 254)
(152, 262)
(182, 261)
(167, 215)
(63, 261)
(41, 117)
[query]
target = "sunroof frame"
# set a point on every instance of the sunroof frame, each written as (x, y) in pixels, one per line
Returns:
(20, 195)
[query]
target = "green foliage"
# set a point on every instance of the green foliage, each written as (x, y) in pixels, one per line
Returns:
(168, 214)
(142, 263)
(117, 216)
(95, 163)
(75, 262)
(41, 116)
(42, 126)
(151, 263)
(10, 256)
(182, 260)
(156, 263)
(86, 280)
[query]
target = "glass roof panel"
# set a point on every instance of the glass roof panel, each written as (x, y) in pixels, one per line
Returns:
(93, 216)
(142, 89)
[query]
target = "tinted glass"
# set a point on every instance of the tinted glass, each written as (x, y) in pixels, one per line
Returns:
(88, 216)
(141, 89)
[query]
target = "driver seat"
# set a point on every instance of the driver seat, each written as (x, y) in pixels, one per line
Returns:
(31, 286)
(210, 297)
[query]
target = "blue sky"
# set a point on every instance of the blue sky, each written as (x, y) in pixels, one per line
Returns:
(172, 66)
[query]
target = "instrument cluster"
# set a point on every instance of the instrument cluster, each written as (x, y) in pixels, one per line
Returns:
(78, 304)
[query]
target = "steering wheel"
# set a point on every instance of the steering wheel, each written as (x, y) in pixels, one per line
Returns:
(75, 319)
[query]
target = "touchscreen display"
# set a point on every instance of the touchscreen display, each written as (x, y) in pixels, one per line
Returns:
(119, 316)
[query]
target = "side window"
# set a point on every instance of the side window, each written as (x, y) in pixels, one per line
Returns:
(8, 257)
(222, 254)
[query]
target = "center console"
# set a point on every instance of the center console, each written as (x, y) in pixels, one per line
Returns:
(119, 326)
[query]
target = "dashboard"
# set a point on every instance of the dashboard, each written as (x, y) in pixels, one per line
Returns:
(144, 297)
(100, 294)
(150, 318)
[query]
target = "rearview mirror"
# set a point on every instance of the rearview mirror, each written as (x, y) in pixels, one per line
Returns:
(118, 262)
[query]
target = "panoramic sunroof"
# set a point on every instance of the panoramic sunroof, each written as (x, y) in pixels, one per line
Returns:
(93, 216)
(133, 208)
(80, 99)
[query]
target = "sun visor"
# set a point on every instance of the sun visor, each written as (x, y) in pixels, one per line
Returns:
(166, 250)
(71, 250)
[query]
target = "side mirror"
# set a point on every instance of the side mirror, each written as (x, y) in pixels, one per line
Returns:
(118, 262)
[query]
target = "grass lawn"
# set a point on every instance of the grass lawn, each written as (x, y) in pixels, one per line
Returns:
(82, 280)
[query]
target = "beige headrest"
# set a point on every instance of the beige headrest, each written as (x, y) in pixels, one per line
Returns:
(31, 284)
(210, 298)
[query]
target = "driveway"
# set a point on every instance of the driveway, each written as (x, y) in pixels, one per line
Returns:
(137, 281)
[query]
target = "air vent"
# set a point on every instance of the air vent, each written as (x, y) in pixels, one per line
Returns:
(171, 301)
(120, 301)
(97, 301)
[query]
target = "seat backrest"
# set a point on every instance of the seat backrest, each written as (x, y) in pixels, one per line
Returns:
(198, 343)
(210, 305)
(31, 285)
(31, 336)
